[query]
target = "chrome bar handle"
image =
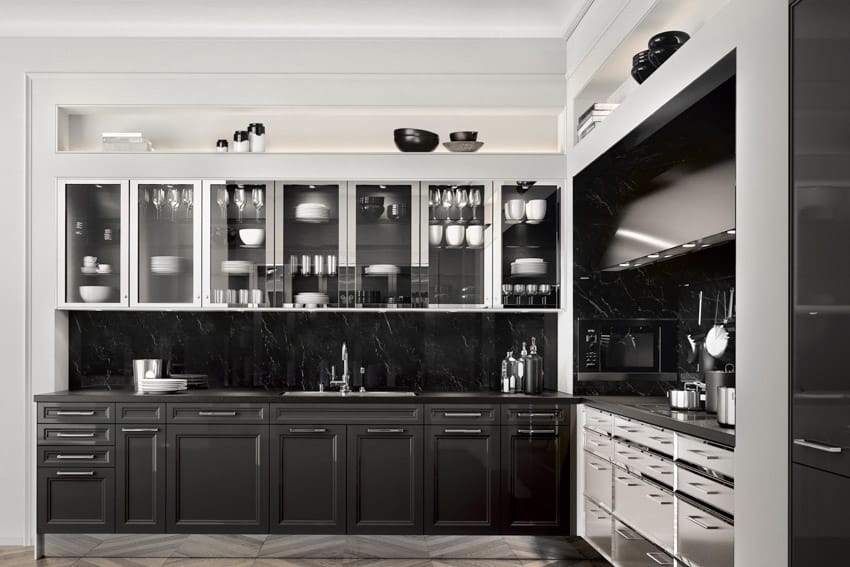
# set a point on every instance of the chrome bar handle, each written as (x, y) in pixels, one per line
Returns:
(535, 431)
(383, 430)
(74, 457)
(461, 414)
(818, 446)
(68, 412)
(538, 414)
(63, 434)
(217, 413)
(139, 429)
(462, 431)
(74, 473)
(307, 430)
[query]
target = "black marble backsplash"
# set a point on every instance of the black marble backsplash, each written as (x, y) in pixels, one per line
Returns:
(406, 351)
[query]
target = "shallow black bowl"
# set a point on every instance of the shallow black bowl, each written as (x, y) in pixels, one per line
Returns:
(464, 136)
(640, 56)
(372, 211)
(414, 144)
(668, 38)
(658, 55)
(641, 72)
(407, 132)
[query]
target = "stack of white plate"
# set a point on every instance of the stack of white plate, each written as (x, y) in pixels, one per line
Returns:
(236, 267)
(312, 212)
(162, 385)
(311, 299)
(381, 270)
(528, 267)
(165, 264)
(193, 380)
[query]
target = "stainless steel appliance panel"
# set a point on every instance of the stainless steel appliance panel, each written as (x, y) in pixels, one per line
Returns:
(706, 455)
(720, 495)
(632, 550)
(644, 463)
(649, 436)
(598, 526)
(646, 506)
(597, 479)
(705, 539)
(602, 445)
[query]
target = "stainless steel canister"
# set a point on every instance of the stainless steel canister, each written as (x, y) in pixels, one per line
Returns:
(319, 264)
(726, 406)
(331, 264)
(146, 368)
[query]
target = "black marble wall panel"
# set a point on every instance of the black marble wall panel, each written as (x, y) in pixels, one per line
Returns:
(407, 351)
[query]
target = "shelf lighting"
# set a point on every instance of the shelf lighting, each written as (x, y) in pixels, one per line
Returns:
(689, 245)
(730, 231)
(624, 265)
(654, 256)
(584, 277)
(668, 255)
(705, 245)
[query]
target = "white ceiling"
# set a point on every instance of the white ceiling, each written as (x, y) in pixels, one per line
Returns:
(290, 18)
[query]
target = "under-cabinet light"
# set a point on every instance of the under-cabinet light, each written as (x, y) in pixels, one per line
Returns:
(688, 245)
(654, 256)
(730, 231)
(668, 255)
(645, 238)
(624, 265)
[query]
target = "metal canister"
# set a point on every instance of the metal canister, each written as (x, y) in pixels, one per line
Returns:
(146, 368)
(726, 406)
(319, 265)
(331, 264)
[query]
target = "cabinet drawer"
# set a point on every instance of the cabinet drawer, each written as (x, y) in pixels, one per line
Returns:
(217, 413)
(649, 436)
(471, 414)
(76, 500)
(76, 434)
(706, 455)
(718, 494)
(632, 550)
(602, 445)
(54, 412)
(535, 414)
(347, 413)
(140, 413)
(74, 456)
(600, 421)
(646, 506)
(597, 479)
(705, 539)
(643, 462)
(597, 526)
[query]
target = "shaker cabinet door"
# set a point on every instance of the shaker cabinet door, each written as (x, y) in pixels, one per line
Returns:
(76, 500)
(140, 482)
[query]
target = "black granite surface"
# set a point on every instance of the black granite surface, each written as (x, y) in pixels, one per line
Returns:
(415, 351)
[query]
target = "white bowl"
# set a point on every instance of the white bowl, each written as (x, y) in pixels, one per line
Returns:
(435, 234)
(252, 236)
(515, 209)
(454, 234)
(475, 235)
(95, 293)
(536, 209)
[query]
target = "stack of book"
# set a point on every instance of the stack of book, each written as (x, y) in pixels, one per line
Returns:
(593, 116)
(125, 142)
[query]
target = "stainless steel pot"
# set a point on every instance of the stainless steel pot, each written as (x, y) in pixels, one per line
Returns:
(715, 380)
(726, 406)
(691, 397)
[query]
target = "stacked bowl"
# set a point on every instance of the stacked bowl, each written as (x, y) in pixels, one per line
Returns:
(414, 140)
(371, 207)
(661, 47)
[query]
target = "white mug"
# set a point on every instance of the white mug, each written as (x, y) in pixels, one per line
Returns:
(475, 235)
(454, 235)
(515, 209)
(104, 268)
(435, 234)
(89, 260)
(535, 210)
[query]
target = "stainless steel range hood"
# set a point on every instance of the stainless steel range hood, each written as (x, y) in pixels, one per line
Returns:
(688, 208)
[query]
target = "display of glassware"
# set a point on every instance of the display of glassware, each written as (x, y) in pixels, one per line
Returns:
(535, 295)
(239, 200)
(258, 199)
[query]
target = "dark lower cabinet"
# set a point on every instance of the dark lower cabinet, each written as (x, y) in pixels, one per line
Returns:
(819, 517)
(462, 479)
(385, 479)
(535, 479)
(140, 478)
(218, 478)
(76, 500)
(307, 480)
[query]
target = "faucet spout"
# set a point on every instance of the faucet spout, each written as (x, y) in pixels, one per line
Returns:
(344, 382)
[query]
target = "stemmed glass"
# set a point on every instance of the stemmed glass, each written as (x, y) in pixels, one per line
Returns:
(258, 198)
(448, 200)
(476, 202)
(519, 291)
(462, 199)
(506, 293)
(174, 201)
(221, 197)
(188, 200)
(531, 291)
(239, 200)
(158, 198)
(433, 202)
(544, 291)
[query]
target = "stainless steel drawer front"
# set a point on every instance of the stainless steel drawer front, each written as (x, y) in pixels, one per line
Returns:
(649, 436)
(597, 479)
(705, 539)
(597, 526)
(647, 507)
(706, 455)
(602, 445)
(598, 420)
(706, 490)
(632, 550)
(644, 463)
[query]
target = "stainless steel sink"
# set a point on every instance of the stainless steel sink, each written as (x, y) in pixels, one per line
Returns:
(335, 394)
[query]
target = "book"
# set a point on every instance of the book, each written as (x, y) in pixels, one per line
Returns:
(598, 109)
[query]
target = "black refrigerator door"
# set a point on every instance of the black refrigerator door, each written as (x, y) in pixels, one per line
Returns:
(819, 518)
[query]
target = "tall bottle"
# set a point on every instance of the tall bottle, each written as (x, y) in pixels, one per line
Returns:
(513, 365)
(520, 375)
(533, 371)
(506, 373)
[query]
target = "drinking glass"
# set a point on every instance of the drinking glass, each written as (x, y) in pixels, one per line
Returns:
(462, 198)
(476, 202)
(506, 293)
(519, 292)
(174, 201)
(158, 198)
(239, 200)
(531, 291)
(222, 200)
(448, 201)
(258, 198)
(544, 291)
(433, 201)
(188, 200)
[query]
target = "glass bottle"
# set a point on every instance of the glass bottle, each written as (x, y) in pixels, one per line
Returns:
(512, 371)
(506, 373)
(520, 374)
(533, 371)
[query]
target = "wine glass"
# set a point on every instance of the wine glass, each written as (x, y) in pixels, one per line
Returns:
(462, 198)
(174, 201)
(448, 201)
(476, 202)
(222, 200)
(158, 198)
(433, 201)
(531, 291)
(519, 291)
(239, 200)
(188, 200)
(258, 198)
(506, 293)
(544, 291)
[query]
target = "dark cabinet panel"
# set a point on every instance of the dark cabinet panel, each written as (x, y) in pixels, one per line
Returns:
(73, 412)
(535, 480)
(349, 412)
(462, 479)
(819, 517)
(385, 479)
(308, 479)
(140, 481)
(76, 500)
(69, 456)
(218, 413)
(76, 434)
(138, 412)
(218, 478)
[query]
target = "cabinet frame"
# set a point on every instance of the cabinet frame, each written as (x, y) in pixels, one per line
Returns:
(156, 477)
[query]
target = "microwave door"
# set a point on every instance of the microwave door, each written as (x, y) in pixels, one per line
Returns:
(635, 350)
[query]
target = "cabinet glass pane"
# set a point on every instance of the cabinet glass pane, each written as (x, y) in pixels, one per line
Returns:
(241, 225)
(387, 245)
(458, 262)
(530, 220)
(93, 242)
(166, 242)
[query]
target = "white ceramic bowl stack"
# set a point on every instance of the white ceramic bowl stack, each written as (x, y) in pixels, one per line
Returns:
(529, 267)
(165, 265)
(240, 267)
(95, 293)
(382, 270)
(312, 212)
(312, 299)
(162, 385)
(252, 237)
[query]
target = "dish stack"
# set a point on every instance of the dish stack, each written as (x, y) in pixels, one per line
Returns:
(312, 212)
(236, 267)
(312, 299)
(529, 267)
(165, 265)
(193, 380)
(594, 115)
(162, 385)
(661, 47)
(381, 270)
(125, 142)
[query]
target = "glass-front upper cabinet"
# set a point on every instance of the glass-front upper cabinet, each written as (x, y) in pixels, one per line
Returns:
(313, 244)
(239, 243)
(165, 247)
(457, 243)
(383, 243)
(93, 249)
(528, 218)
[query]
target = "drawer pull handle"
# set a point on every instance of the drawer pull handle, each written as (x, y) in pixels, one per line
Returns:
(74, 457)
(657, 498)
(538, 414)
(699, 486)
(74, 473)
(63, 434)
(696, 520)
(307, 430)
(596, 467)
(535, 431)
(625, 480)
(217, 413)
(631, 430)
(383, 430)
(658, 557)
(703, 454)
(631, 536)
(597, 443)
(462, 430)
(662, 440)
(68, 412)
(462, 414)
(818, 446)
(628, 456)
(139, 429)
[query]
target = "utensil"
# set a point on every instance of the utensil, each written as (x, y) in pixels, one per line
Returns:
(726, 406)
(145, 368)
(239, 200)
(717, 338)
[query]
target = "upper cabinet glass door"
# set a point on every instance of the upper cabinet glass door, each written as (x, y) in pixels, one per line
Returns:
(93, 249)
(528, 251)
(165, 250)
(458, 243)
(239, 243)
(383, 245)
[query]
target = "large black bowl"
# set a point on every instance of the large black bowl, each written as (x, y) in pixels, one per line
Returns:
(668, 38)
(658, 55)
(417, 144)
(640, 57)
(642, 71)
(407, 132)
(464, 136)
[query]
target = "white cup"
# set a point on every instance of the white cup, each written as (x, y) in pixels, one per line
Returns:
(475, 235)
(454, 235)
(89, 260)
(435, 234)
(104, 269)
(515, 209)
(535, 210)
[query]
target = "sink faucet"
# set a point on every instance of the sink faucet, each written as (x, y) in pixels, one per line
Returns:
(344, 382)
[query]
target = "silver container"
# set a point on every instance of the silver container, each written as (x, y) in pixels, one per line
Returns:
(691, 397)
(331, 264)
(319, 265)
(726, 406)
(713, 381)
(305, 264)
(146, 368)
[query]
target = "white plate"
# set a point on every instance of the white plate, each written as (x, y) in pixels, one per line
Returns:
(528, 261)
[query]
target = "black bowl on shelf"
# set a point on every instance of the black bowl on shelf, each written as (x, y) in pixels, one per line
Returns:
(641, 57)
(413, 140)
(642, 71)
(677, 38)
(464, 136)
(372, 211)
(371, 200)
(658, 55)
(406, 132)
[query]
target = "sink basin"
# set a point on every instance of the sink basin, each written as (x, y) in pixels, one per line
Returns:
(336, 394)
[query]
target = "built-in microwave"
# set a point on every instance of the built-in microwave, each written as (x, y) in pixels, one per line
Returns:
(627, 349)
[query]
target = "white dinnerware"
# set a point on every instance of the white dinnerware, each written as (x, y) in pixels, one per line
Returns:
(475, 235)
(435, 234)
(455, 235)
(535, 211)
(95, 293)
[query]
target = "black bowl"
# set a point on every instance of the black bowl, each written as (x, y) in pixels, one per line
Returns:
(658, 55)
(372, 211)
(404, 132)
(371, 200)
(641, 72)
(464, 136)
(640, 56)
(412, 144)
(668, 38)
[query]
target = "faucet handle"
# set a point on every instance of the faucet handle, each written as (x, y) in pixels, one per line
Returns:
(333, 373)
